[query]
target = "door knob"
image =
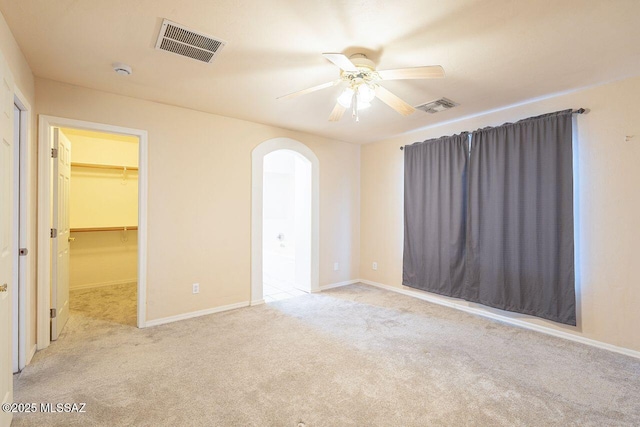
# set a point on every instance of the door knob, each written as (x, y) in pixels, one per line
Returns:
(3, 288)
(72, 239)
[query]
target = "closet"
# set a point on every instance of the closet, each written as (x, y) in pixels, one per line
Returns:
(103, 208)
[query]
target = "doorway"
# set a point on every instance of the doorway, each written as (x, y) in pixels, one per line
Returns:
(22, 297)
(286, 225)
(103, 217)
(97, 245)
(297, 262)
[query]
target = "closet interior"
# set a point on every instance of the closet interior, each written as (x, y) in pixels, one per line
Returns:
(103, 204)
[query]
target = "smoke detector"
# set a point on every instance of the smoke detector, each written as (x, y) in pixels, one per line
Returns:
(437, 105)
(178, 39)
(122, 69)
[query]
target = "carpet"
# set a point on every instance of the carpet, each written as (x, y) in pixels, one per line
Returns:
(350, 356)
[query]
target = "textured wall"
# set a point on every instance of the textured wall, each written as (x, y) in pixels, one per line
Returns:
(200, 196)
(607, 206)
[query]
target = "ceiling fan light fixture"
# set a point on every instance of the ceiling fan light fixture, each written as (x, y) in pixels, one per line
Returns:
(345, 97)
(365, 84)
(365, 94)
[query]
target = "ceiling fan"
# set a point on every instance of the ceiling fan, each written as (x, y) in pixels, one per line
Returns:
(363, 84)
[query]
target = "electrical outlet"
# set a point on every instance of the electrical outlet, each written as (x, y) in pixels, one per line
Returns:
(374, 266)
(336, 266)
(196, 288)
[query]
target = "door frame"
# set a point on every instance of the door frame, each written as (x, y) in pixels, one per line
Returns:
(257, 174)
(21, 237)
(45, 143)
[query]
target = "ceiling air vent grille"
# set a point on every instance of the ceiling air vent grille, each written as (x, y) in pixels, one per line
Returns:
(437, 105)
(182, 41)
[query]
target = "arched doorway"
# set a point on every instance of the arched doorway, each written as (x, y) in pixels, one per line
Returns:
(293, 255)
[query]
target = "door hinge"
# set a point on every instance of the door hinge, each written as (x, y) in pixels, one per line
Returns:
(53, 313)
(54, 153)
(23, 252)
(54, 233)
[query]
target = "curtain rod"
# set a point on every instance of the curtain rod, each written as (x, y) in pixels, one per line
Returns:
(578, 111)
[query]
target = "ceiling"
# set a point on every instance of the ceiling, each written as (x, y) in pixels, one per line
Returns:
(495, 53)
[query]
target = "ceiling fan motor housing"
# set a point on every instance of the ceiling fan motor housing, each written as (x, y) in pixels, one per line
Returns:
(360, 60)
(366, 72)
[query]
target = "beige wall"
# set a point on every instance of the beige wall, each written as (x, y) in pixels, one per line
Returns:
(200, 196)
(102, 148)
(103, 258)
(17, 63)
(103, 198)
(608, 206)
(24, 82)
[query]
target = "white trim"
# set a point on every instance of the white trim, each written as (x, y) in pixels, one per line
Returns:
(23, 156)
(511, 321)
(143, 192)
(257, 169)
(339, 284)
(45, 129)
(43, 332)
(16, 306)
(257, 302)
(101, 284)
(178, 317)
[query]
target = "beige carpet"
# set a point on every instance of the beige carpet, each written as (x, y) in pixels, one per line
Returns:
(350, 356)
(117, 303)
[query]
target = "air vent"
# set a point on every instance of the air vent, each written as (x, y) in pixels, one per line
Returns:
(180, 40)
(437, 105)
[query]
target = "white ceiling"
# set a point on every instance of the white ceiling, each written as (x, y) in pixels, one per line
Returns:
(495, 53)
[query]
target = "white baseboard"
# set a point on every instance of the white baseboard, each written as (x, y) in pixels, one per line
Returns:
(193, 314)
(257, 302)
(514, 322)
(101, 284)
(339, 284)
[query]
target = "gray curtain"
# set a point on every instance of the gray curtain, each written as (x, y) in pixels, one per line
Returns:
(435, 214)
(520, 218)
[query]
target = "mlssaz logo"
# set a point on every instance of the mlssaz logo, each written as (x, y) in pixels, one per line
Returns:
(63, 407)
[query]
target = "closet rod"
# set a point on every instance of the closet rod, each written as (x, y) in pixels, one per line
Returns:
(98, 166)
(87, 229)
(578, 111)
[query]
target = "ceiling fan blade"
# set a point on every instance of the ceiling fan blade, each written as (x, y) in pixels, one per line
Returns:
(341, 61)
(309, 90)
(337, 113)
(428, 72)
(394, 102)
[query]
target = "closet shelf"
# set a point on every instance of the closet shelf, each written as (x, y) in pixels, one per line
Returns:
(87, 229)
(99, 166)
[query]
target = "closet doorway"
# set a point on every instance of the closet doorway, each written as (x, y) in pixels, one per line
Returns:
(97, 250)
(103, 222)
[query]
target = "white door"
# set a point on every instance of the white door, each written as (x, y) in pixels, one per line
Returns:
(60, 240)
(6, 258)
